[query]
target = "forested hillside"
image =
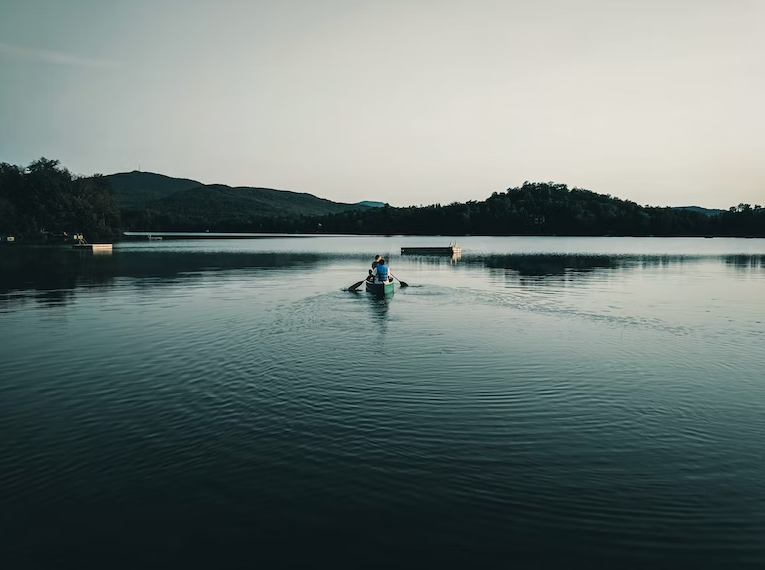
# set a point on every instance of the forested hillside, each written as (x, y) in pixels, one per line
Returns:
(223, 208)
(134, 189)
(550, 209)
(45, 199)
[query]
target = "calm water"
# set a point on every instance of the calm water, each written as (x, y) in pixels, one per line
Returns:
(540, 402)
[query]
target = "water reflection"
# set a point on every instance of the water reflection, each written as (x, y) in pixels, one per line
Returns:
(465, 412)
(745, 262)
(380, 311)
(552, 265)
(56, 273)
(437, 258)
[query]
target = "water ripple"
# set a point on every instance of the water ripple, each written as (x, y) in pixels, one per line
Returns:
(572, 418)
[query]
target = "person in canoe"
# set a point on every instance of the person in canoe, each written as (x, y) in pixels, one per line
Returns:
(381, 273)
(370, 278)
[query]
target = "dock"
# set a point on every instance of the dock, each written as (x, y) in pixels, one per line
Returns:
(83, 245)
(452, 250)
(93, 246)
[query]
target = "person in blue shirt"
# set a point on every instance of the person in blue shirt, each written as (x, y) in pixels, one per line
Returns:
(381, 273)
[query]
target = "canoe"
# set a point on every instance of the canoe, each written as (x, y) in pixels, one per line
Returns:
(380, 289)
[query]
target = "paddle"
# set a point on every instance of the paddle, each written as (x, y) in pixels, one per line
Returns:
(355, 286)
(403, 283)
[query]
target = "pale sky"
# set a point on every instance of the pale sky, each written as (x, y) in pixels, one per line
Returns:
(410, 102)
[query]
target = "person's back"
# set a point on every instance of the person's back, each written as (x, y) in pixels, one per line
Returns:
(381, 272)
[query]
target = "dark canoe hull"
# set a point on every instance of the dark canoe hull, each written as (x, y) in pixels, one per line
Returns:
(380, 289)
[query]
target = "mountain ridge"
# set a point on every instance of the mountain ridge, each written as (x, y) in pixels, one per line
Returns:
(149, 199)
(700, 210)
(44, 201)
(137, 189)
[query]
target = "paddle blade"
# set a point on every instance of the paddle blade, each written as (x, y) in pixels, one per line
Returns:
(402, 283)
(355, 286)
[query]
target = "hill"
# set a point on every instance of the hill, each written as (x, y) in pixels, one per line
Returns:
(371, 204)
(133, 189)
(532, 209)
(538, 208)
(700, 210)
(154, 201)
(43, 200)
(136, 190)
(218, 200)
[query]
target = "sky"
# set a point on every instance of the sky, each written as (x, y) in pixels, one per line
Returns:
(408, 102)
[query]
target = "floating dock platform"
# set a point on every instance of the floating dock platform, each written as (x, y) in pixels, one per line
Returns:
(83, 245)
(93, 246)
(450, 250)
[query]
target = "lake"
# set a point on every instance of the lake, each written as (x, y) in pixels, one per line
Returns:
(539, 402)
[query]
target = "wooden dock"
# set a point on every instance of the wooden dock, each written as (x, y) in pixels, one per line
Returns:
(93, 246)
(451, 250)
(83, 245)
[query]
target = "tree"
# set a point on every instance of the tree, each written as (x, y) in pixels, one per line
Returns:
(44, 200)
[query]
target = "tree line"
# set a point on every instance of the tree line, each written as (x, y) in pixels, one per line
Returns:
(550, 209)
(45, 199)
